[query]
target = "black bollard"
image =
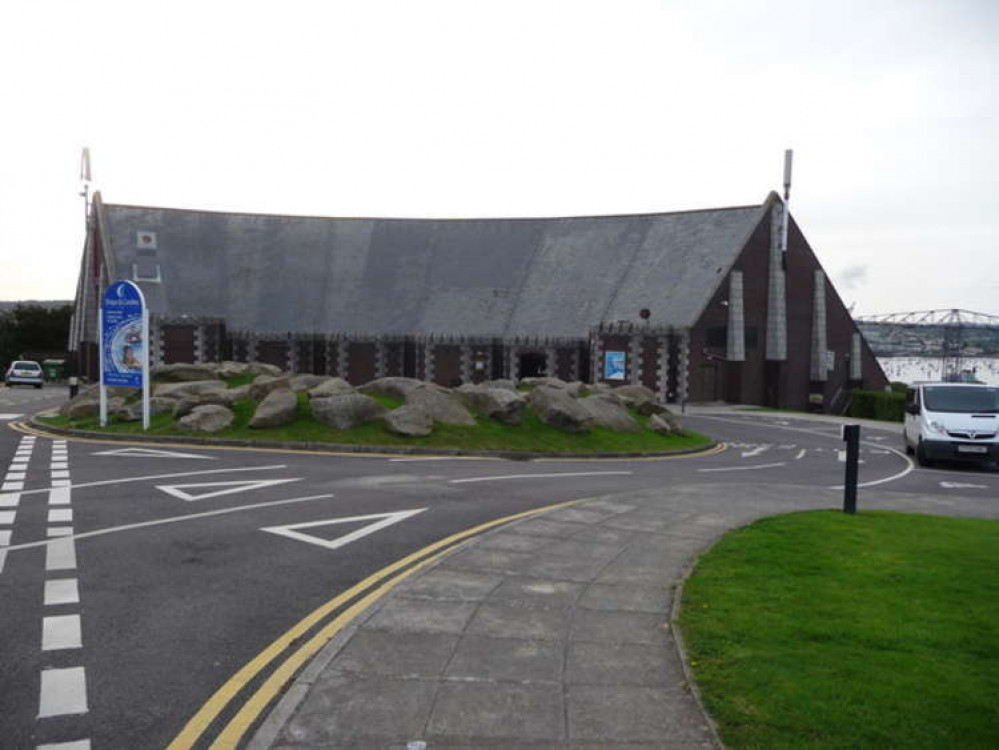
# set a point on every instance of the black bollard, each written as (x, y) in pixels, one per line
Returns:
(851, 434)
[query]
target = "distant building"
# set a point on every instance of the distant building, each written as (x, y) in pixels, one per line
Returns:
(697, 305)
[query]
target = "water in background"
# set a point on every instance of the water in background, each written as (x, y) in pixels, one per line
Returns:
(909, 369)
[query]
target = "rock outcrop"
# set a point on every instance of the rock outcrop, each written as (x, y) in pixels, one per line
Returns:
(440, 405)
(346, 411)
(608, 412)
(211, 418)
(409, 421)
(278, 408)
(557, 408)
(503, 405)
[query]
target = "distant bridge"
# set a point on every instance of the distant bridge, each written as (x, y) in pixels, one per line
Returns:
(949, 335)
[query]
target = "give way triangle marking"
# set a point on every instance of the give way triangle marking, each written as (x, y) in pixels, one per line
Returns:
(387, 519)
(180, 490)
(151, 453)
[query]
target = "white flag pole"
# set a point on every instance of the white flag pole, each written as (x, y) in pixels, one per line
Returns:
(100, 359)
(145, 363)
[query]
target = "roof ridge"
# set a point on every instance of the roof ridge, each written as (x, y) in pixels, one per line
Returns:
(433, 218)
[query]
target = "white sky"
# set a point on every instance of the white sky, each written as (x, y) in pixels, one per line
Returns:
(426, 108)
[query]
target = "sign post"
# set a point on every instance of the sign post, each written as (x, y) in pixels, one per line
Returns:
(123, 322)
(851, 435)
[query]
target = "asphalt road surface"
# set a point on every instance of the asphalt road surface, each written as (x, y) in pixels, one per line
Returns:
(135, 580)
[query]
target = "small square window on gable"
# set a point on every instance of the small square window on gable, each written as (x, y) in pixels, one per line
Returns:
(145, 240)
(146, 269)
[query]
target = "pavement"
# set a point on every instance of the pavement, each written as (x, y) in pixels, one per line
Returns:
(556, 631)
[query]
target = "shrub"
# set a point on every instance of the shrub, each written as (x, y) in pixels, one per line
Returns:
(882, 405)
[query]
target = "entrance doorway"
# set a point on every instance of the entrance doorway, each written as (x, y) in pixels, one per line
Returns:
(533, 365)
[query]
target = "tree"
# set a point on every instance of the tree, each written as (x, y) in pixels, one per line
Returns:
(33, 329)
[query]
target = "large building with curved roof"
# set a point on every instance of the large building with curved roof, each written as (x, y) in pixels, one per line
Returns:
(699, 305)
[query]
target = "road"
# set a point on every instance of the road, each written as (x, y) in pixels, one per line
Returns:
(137, 579)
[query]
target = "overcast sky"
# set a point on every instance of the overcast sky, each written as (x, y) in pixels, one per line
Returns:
(436, 109)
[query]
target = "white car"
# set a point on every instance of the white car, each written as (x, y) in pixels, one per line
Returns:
(952, 422)
(24, 372)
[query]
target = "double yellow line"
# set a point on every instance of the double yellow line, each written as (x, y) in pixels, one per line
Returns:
(251, 710)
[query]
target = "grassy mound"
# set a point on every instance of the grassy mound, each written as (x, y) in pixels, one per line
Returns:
(822, 630)
(531, 435)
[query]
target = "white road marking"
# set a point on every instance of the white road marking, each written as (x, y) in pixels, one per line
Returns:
(7, 517)
(424, 458)
(60, 465)
(62, 591)
(963, 485)
(59, 531)
(64, 691)
(60, 554)
(11, 486)
(60, 483)
(61, 631)
(179, 490)
(801, 454)
(9, 501)
(175, 519)
(8, 415)
(61, 515)
(16, 476)
(757, 451)
(4, 538)
(59, 496)
(60, 474)
(125, 480)
(3, 559)
(540, 476)
(151, 453)
(744, 468)
(75, 745)
(387, 519)
(910, 466)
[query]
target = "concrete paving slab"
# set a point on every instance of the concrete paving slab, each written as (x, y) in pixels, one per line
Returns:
(542, 527)
(402, 615)
(632, 714)
(493, 560)
(566, 568)
(499, 620)
(618, 627)
(387, 653)
(513, 542)
(507, 659)
(537, 593)
(624, 598)
(490, 711)
(633, 664)
(458, 585)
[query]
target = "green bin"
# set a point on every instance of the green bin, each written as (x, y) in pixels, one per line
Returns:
(54, 369)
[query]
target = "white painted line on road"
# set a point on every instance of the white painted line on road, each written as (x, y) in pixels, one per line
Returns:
(16, 475)
(963, 486)
(387, 519)
(60, 474)
(64, 691)
(59, 496)
(60, 554)
(744, 468)
(8, 415)
(61, 515)
(11, 486)
(5, 537)
(151, 453)
(9, 501)
(908, 468)
(175, 519)
(75, 745)
(60, 483)
(801, 454)
(59, 531)
(125, 480)
(3, 559)
(179, 490)
(19, 460)
(423, 458)
(60, 465)
(7, 517)
(62, 591)
(61, 631)
(540, 476)
(757, 451)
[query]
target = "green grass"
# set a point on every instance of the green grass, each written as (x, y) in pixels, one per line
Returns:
(530, 435)
(822, 630)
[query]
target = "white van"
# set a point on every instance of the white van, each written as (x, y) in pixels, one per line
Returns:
(952, 422)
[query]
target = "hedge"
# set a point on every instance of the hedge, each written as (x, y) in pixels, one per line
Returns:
(883, 405)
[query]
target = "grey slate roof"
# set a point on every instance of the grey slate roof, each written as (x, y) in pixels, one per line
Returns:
(556, 277)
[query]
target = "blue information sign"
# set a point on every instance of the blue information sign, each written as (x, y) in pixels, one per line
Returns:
(123, 336)
(613, 365)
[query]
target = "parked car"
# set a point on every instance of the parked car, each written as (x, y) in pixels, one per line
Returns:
(24, 372)
(952, 422)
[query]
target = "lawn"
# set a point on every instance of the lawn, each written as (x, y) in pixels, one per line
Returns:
(530, 435)
(822, 630)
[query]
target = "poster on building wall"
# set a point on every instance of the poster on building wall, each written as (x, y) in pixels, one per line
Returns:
(613, 365)
(124, 332)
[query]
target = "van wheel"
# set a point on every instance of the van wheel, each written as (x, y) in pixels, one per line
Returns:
(905, 444)
(921, 458)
